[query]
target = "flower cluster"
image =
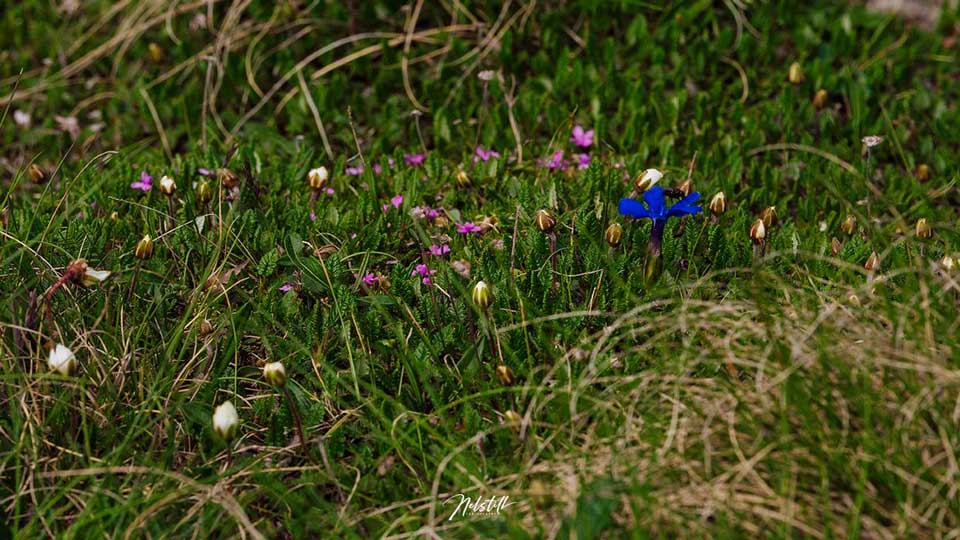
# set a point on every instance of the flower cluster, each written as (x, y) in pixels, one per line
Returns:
(582, 139)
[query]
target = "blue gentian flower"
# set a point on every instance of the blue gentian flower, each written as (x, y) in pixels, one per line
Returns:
(656, 209)
(658, 212)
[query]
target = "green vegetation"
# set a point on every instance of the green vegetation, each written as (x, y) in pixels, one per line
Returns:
(734, 388)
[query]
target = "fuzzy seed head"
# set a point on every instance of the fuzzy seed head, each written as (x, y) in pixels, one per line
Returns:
(226, 420)
(144, 249)
(613, 234)
(718, 204)
(275, 374)
(545, 222)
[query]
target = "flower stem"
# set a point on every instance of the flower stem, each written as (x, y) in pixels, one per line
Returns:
(297, 422)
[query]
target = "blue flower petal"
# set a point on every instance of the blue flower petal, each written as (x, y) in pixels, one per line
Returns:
(654, 200)
(685, 206)
(632, 208)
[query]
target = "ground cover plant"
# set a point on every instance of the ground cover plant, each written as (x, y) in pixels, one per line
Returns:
(614, 269)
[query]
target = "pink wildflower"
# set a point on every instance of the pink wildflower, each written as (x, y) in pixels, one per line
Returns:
(145, 183)
(581, 138)
(467, 228)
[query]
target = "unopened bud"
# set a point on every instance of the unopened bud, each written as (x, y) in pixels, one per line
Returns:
(37, 175)
(948, 263)
(512, 418)
(795, 75)
(204, 193)
(769, 216)
(923, 172)
(167, 186)
(873, 262)
(613, 234)
(648, 179)
(481, 295)
(718, 204)
(505, 375)
(545, 222)
(820, 99)
(923, 228)
(155, 52)
(758, 232)
(62, 360)
(317, 178)
(275, 374)
(463, 179)
(685, 187)
(849, 225)
(144, 249)
(226, 421)
(835, 246)
(228, 178)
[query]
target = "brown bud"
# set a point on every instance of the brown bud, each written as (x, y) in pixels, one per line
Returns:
(463, 179)
(228, 178)
(873, 262)
(769, 216)
(512, 418)
(545, 222)
(206, 328)
(849, 225)
(718, 204)
(37, 175)
(758, 232)
(835, 246)
(144, 249)
(613, 234)
(923, 228)
(685, 187)
(820, 99)
(505, 375)
(923, 172)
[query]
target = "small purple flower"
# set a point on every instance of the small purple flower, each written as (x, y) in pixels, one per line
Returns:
(329, 191)
(581, 138)
(555, 163)
(396, 201)
(377, 169)
(439, 250)
(313, 216)
(370, 279)
(468, 228)
(583, 161)
(424, 272)
(205, 172)
(286, 287)
(484, 155)
(414, 160)
(145, 183)
(354, 171)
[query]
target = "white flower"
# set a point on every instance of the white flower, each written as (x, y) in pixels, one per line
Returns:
(648, 179)
(225, 420)
(62, 360)
(872, 140)
(21, 118)
(92, 277)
